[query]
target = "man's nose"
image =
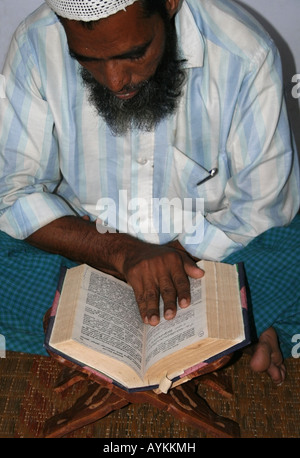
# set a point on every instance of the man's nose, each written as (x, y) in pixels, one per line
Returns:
(115, 75)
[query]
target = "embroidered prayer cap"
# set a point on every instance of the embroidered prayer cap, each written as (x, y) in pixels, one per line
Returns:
(87, 10)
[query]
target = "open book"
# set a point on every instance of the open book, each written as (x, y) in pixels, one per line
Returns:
(95, 322)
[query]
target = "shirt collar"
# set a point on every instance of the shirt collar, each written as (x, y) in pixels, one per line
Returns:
(191, 42)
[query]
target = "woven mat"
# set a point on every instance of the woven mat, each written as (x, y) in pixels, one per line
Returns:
(27, 399)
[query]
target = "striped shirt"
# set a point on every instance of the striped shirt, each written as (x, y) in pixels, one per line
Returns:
(59, 158)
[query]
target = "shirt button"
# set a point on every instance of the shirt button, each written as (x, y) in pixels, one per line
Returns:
(142, 161)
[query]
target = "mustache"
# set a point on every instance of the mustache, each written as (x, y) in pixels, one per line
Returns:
(129, 87)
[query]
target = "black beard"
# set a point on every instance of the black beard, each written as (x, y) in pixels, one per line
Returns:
(157, 97)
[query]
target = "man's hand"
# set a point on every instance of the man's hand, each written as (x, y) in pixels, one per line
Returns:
(154, 271)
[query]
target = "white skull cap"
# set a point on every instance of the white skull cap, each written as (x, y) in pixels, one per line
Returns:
(87, 10)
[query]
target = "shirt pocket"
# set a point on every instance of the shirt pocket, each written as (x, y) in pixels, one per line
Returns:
(183, 175)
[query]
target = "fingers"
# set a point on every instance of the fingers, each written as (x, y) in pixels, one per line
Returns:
(148, 299)
(182, 287)
(191, 268)
(148, 302)
(165, 278)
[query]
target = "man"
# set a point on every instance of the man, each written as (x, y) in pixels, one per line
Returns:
(114, 106)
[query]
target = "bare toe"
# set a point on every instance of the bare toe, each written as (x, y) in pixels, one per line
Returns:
(267, 357)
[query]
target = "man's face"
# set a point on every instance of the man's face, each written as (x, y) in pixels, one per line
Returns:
(127, 59)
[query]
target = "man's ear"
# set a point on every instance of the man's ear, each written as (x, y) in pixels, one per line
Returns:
(172, 6)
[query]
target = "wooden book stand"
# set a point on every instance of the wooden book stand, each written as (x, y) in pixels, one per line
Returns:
(183, 402)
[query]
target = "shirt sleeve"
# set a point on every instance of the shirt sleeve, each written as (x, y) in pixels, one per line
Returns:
(29, 159)
(262, 189)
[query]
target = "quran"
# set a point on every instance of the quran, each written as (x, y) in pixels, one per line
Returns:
(95, 322)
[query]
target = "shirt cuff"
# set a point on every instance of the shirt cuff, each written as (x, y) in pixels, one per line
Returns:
(208, 242)
(31, 212)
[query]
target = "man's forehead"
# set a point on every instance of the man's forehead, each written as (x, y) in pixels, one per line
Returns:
(115, 36)
(87, 10)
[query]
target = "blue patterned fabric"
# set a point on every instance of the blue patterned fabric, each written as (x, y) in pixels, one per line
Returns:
(28, 279)
(272, 265)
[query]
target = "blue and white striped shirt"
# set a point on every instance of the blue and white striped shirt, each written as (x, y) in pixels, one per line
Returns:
(58, 157)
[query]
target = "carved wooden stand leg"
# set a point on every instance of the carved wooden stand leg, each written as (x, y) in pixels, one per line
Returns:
(95, 404)
(181, 401)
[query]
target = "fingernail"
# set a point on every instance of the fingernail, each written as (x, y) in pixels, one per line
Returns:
(154, 320)
(183, 303)
(169, 314)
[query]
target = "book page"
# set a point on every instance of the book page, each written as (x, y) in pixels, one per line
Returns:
(188, 326)
(108, 319)
(223, 299)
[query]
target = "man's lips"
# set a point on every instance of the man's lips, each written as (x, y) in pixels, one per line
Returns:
(126, 94)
